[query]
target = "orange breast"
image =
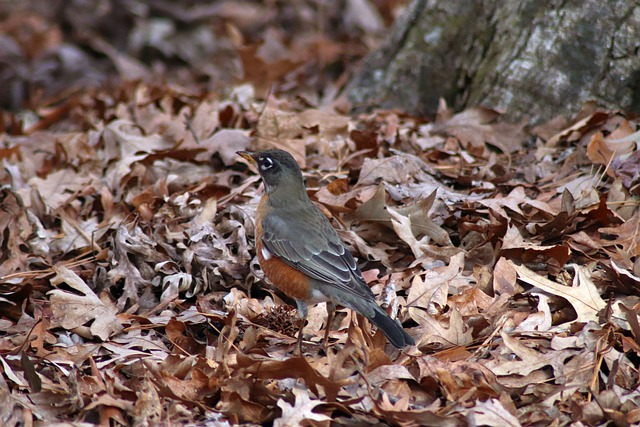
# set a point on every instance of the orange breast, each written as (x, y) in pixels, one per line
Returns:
(292, 282)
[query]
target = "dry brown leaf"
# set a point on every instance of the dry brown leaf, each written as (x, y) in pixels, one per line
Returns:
(504, 278)
(579, 127)
(329, 125)
(617, 146)
(415, 216)
(72, 311)
(58, 187)
(583, 295)
(539, 321)
(281, 129)
(401, 168)
(476, 127)
(513, 201)
(527, 359)
(432, 331)
(127, 267)
(492, 413)
(387, 373)
(429, 290)
(226, 142)
(301, 410)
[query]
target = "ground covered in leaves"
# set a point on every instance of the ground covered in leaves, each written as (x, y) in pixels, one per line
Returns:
(130, 293)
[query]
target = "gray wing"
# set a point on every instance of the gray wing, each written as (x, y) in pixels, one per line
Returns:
(313, 247)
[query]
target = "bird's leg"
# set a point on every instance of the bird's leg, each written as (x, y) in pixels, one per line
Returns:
(331, 311)
(298, 349)
(302, 311)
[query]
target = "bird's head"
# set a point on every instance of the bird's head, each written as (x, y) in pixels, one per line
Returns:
(278, 170)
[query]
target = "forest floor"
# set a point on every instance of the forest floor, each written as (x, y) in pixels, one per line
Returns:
(130, 293)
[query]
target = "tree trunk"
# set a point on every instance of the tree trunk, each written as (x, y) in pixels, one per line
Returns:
(528, 58)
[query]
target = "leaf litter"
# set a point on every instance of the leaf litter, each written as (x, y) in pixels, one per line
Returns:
(130, 293)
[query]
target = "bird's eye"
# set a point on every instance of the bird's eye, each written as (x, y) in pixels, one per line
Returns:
(266, 163)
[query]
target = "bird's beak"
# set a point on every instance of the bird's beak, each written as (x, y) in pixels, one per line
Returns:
(248, 155)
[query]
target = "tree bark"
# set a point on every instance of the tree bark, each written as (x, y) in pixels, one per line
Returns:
(528, 58)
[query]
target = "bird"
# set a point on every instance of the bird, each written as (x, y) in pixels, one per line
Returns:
(301, 253)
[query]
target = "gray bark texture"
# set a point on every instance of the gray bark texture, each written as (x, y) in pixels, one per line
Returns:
(530, 59)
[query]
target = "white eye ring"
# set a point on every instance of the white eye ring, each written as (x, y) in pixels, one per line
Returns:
(266, 163)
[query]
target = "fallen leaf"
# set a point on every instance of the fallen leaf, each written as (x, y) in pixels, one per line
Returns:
(301, 410)
(71, 311)
(491, 413)
(583, 295)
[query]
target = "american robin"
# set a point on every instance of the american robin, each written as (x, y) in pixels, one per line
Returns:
(300, 252)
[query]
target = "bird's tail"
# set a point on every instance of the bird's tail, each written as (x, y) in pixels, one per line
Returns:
(391, 328)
